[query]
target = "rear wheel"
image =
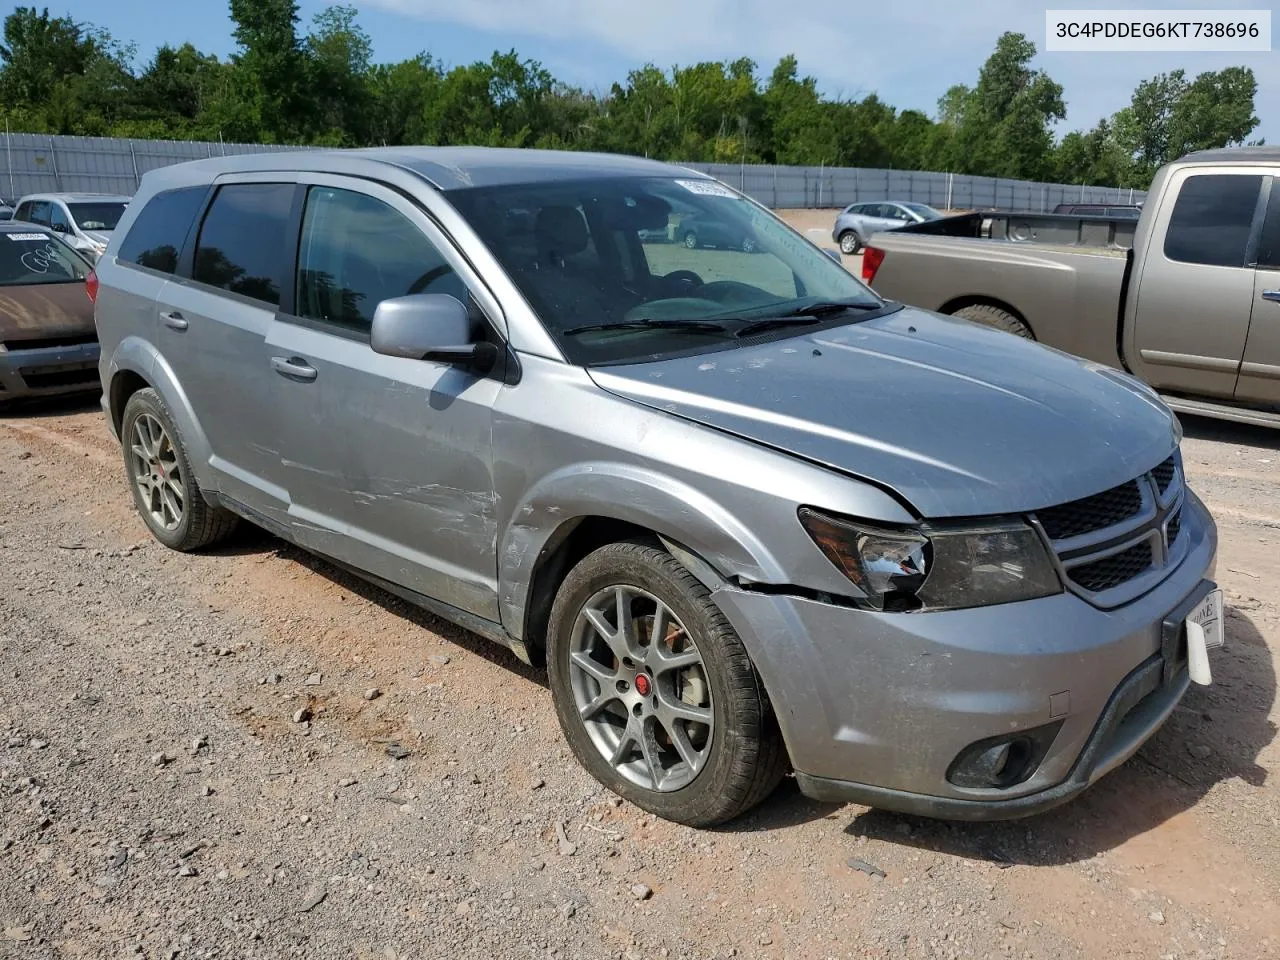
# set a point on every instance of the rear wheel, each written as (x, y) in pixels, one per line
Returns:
(850, 243)
(748, 245)
(691, 240)
(995, 317)
(654, 690)
(159, 473)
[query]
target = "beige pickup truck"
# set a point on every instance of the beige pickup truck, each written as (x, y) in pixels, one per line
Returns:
(1187, 297)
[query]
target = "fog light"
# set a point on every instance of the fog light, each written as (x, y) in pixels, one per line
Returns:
(1003, 761)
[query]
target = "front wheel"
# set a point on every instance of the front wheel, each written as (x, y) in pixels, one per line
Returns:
(691, 240)
(748, 245)
(654, 690)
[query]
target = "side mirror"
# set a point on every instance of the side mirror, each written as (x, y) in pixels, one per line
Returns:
(429, 326)
(59, 228)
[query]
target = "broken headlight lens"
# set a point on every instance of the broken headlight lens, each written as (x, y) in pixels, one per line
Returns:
(936, 568)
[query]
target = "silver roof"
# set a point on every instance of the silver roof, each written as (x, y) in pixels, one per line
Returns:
(79, 197)
(447, 168)
(1262, 154)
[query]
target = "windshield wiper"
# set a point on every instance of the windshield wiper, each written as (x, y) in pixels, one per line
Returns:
(695, 326)
(807, 315)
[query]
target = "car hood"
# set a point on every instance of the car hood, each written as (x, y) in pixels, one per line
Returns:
(40, 310)
(958, 419)
(98, 236)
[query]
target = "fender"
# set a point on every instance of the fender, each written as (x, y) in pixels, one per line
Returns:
(553, 506)
(137, 355)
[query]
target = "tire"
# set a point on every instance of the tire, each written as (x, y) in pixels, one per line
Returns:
(198, 523)
(748, 245)
(691, 240)
(742, 754)
(850, 243)
(990, 316)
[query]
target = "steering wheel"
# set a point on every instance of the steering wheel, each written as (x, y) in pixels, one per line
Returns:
(687, 276)
(434, 273)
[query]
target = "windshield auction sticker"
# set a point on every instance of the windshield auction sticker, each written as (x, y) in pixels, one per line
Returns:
(20, 237)
(708, 188)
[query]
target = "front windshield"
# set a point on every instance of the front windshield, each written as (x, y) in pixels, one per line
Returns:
(633, 256)
(96, 216)
(924, 210)
(37, 257)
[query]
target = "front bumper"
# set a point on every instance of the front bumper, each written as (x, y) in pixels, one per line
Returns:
(49, 371)
(876, 707)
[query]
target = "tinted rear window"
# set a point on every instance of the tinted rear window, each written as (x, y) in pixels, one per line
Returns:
(243, 246)
(1212, 219)
(156, 237)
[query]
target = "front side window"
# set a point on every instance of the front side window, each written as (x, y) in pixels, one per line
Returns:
(155, 240)
(243, 245)
(39, 212)
(58, 218)
(37, 258)
(1212, 219)
(97, 215)
(623, 269)
(357, 251)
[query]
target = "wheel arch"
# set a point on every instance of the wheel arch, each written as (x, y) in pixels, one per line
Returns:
(579, 510)
(137, 365)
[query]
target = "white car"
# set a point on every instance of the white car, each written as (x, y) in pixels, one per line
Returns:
(84, 220)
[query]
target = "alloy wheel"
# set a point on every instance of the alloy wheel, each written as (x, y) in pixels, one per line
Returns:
(640, 688)
(156, 472)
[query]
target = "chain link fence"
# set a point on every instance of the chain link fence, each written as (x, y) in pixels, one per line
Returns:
(34, 163)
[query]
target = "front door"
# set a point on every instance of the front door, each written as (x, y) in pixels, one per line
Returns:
(1260, 371)
(1195, 290)
(387, 460)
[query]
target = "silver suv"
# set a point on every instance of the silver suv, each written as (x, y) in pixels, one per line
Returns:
(751, 516)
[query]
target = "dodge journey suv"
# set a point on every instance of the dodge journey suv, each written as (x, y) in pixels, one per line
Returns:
(751, 516)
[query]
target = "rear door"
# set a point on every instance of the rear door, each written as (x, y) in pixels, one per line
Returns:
(213, 322)
(1196, 283)
(1260, 372)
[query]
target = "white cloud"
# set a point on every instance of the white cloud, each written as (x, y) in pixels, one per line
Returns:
(909, 52)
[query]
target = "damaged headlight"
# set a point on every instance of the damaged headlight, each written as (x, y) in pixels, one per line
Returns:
(936, 568)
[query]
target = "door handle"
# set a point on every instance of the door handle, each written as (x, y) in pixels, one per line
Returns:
(1272, 295)
(174, 320)
(295, 368)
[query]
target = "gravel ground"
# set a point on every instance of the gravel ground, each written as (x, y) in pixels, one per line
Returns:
(248, 754)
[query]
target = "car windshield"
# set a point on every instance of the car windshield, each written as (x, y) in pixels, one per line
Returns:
(924, 210)
(635, 268)
(97, 216)
(38, 257)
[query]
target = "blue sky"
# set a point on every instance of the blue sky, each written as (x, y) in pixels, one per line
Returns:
(907, 52)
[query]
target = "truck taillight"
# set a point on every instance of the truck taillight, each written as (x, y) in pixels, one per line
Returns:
(91, 286)
(872, 257)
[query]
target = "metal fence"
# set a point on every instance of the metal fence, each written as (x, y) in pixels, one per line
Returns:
(34, 163)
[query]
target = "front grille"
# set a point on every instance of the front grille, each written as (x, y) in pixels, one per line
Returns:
(1092, 513)
(1114, 570)
(1163, 474)
(41, 379)
(43, 343)
(1086, 532)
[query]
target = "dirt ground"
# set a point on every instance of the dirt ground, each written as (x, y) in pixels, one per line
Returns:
(248, 754)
